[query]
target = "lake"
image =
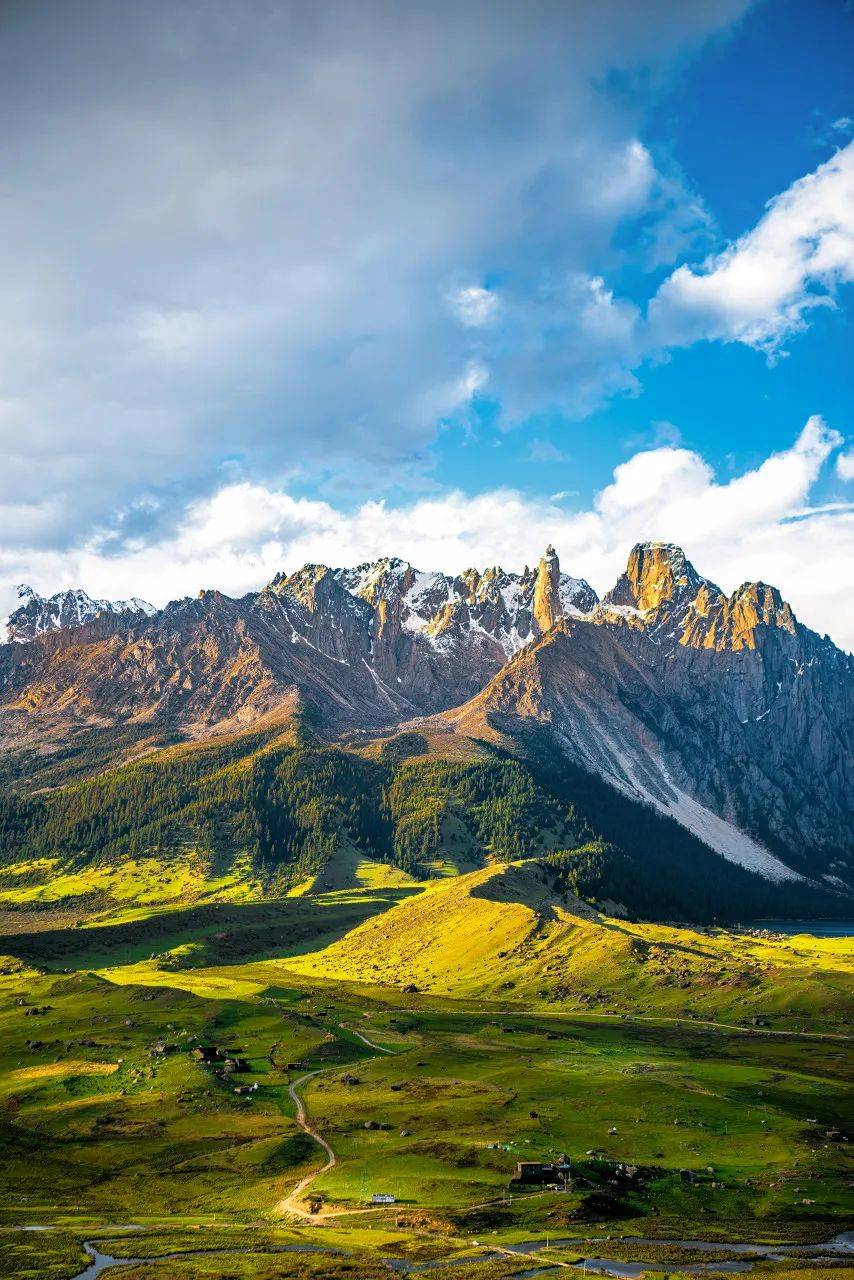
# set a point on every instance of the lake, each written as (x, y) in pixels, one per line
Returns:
(818, 928)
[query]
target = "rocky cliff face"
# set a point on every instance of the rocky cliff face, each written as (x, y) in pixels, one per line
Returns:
(766, 706)
(657, 578)
(723, 711)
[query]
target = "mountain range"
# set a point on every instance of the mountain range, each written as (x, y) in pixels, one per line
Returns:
(666, 699)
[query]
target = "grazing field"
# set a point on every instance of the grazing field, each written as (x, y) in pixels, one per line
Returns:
(699, 1084)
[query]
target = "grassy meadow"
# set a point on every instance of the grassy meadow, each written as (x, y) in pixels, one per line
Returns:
(699, 1082)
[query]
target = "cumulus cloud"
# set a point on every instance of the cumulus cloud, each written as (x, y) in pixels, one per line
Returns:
(845, 466)
(761, 524)
(761, 289)
(231, 239)
(567, 342)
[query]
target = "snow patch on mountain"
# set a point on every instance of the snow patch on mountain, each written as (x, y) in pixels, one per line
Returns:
(38, 614)
(577, 597)
(445, 610)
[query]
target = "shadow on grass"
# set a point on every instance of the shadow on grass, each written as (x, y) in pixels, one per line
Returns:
(227, 932)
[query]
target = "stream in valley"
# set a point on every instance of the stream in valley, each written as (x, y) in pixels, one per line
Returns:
(743, 1254)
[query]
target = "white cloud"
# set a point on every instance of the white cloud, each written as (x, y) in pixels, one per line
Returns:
(545, 451)
(624, 180)
(677, 487)
(604, 318)
(760, 290)
(227, 237)
(474, 306)
(845, 466)
(758, 525)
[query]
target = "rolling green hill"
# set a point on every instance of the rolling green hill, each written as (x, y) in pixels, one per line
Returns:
(437, 1034)
(510, 931)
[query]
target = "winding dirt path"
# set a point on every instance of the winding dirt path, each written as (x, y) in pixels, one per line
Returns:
(290, 1204)
(364, 1039)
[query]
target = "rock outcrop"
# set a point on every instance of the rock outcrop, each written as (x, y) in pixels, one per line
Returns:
(547, 607)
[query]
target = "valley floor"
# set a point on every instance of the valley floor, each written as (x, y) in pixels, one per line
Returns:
(238, 1086)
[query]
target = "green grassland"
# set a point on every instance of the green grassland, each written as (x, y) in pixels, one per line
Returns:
(725, 1125)
(424, 952)
(504, 932)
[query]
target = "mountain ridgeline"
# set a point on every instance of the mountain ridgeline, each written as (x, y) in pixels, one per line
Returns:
(668, 749)
(38, 614)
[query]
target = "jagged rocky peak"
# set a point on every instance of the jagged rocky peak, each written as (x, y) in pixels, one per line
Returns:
(308, 576)
(72, 608)
(663, 593)
(658, 574)
(547, 601)
(734, 622)
(379, 579)
(472, 605)
(760, 604)
(312, 586)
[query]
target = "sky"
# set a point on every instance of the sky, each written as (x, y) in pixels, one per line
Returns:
(450, 281)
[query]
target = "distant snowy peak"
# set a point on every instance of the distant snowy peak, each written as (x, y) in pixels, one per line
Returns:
(73, 608)
(483, 606)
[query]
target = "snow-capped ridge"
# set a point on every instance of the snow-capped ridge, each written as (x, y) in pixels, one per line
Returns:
(488, 606)
(70, 608)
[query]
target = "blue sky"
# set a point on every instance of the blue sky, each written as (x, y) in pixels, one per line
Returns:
(443, 281)
(746, 118)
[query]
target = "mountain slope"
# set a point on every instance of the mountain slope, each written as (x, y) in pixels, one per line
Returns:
(582, 694)
(508, 931)
(265, 812)
(725, 713)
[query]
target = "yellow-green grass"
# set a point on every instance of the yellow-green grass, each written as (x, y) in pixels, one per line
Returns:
(740, 1102)
(121, 1131)
(217, 930)
(142, 882)
(497, 1046)
(678, 1097)
(499, 932)
(350, 869)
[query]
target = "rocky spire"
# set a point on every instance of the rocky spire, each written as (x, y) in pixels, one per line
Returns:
(547, 603)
